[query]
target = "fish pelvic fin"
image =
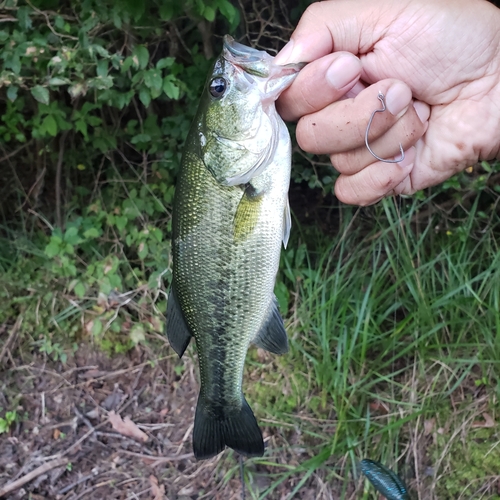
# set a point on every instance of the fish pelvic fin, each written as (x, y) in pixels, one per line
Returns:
(215, 429)
(272, 335)
(287, 223)
(177, 330)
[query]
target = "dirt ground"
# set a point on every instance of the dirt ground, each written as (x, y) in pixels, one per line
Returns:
(64, 447)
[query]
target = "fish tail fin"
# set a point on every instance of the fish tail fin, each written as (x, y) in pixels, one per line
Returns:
(214, 430)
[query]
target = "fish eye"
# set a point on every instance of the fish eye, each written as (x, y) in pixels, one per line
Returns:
(217, 87)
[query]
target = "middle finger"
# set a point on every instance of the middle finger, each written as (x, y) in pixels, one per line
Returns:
(341, 126)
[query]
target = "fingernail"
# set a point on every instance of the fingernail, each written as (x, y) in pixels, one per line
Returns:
(423, 110)
(343, 71)
(409, 159)
(284, 54)
(398, 98)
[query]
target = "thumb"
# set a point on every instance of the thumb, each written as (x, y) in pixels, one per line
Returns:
(348, 25)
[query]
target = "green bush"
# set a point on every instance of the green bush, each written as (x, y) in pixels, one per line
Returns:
(95, 78)
(96, 98)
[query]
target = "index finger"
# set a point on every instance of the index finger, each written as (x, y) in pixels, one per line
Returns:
(320, 83)
(325, 27)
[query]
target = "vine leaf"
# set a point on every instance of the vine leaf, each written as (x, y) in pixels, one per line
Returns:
(41, 94)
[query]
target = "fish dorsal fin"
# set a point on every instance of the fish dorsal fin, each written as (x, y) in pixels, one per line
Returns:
(287, 223)
(178, 333)
(272, 335)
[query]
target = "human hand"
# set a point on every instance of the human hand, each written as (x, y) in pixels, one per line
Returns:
(444, 53)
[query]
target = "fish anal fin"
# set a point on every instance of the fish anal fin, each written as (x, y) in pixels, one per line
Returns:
(236, 428)
(272, 336)
(177, 330)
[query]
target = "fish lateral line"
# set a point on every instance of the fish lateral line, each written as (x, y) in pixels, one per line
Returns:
(230, 214)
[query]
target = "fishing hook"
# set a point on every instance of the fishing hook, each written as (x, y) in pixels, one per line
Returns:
(381, 98)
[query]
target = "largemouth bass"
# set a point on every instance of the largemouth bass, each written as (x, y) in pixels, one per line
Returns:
(230, 217)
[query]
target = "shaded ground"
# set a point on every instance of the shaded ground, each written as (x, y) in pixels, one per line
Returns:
(64, 439)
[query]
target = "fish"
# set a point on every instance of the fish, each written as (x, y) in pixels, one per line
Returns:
(385, 481)
(230, 217)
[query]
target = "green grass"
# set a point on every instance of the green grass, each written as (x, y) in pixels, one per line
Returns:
(394, 332)
(395, 345)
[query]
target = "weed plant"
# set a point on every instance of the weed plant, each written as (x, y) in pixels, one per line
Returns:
(394, 353)
(393, 326)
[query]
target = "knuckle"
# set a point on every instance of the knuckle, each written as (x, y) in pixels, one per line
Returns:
(405, 187)
(306, 137)
(313, 12)
(346, 163)
(306, 97)
(347, 191)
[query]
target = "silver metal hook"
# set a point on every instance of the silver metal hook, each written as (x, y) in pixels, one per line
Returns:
(381, 98)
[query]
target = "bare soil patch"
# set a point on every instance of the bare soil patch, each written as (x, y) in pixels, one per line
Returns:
(64, 447)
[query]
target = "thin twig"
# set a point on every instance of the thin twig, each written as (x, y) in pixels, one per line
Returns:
(92, 488)
(47, 20)
(74, 445)
(36, 187)
(12, 334)
(84, 419)
(42, 218)
(158, 460)
(76, 483)
(14, 153)
(58, 178)
(14, 485)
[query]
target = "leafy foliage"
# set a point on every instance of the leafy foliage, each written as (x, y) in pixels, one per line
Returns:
(5, 423)
(97, 99)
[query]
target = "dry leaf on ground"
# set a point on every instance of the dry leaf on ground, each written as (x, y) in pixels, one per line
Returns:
(126, 427)
(488, 421)
(157, 491)
(429, 426)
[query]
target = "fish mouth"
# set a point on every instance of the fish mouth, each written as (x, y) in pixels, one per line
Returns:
(255, 62)
(240, 51)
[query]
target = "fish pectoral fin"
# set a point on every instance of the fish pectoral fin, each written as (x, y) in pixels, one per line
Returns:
(178, 333)
(247, 214)
(272, 336)
(287, 223)
(233, 427)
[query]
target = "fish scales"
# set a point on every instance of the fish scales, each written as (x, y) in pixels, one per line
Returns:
(230, 217)
(229, 283)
